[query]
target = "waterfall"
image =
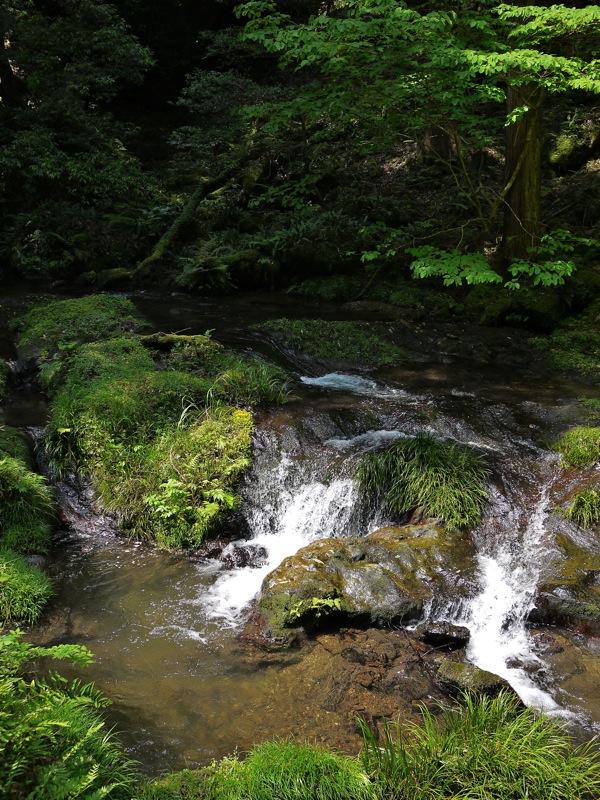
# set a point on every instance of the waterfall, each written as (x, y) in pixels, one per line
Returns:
(287, 505)
(508, 567)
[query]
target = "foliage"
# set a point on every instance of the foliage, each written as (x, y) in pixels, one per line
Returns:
(24, 589)
(53, 742)
(57, 323)
(441, 479)
(14, 444)
(343, 341)
(4, 374)
(61, 67)
(579, 447)
(584, 508)
(329, 288)
(487, 748)
(574, 345)
(26, 508)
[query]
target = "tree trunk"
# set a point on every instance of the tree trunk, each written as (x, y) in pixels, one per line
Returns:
(522, 201)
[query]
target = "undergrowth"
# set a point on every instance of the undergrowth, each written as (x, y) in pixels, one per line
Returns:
(24, 590)
(579, 447)
(486, 749)
(26, 507)
(574, 346)
(441, 479)
(53, 742)
(343, 341)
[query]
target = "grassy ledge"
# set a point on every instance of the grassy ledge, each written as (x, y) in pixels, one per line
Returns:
(154, 421)
(340, 341)
(584, 508)
(574, 346)
(441, 479)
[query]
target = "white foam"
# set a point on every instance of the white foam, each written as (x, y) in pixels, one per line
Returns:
(354, 384)
(370, 440)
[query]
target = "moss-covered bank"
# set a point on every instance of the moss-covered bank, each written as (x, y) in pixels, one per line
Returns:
(159, 424)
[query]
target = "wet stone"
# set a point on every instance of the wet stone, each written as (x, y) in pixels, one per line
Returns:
(444, 635)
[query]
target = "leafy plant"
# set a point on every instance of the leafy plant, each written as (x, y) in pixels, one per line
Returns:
(579, 447)
(441, 479)
(345, 341)
(486, 748)
(53, 742)
(319, 606)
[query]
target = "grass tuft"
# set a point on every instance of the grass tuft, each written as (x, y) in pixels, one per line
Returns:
(442, 479)
(584, 508)
(487, 749)
(579, 447)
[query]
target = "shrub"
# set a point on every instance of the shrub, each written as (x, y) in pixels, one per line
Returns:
(579, 447)
(344, 341)
(26, 508)
(442, 479)
(84, 319)
(53, 742)
(487, 749)
(24, 589)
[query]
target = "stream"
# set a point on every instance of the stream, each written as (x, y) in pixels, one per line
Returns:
(164, 629)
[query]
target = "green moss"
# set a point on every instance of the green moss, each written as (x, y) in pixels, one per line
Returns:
(26, 508)
(24, 590)
(442, 479)
(342, 341)
(330, 288)
(60, 322)
(579, 447)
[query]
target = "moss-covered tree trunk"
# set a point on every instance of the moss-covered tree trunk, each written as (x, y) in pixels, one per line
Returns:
(522, 199)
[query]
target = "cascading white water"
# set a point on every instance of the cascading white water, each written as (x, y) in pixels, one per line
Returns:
(287, 508)
(508, 571)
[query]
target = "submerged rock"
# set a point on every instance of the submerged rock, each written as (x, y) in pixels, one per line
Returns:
(456, 678)
(384, 578)
(443, 635)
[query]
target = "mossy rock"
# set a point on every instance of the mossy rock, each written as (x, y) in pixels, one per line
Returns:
(48, 326)
(568, 592)
(457, 678)
(539, 309)
(14, 443)
(347, 342)
(386, 577)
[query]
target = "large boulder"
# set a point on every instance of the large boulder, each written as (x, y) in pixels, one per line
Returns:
(457, 678)
(384, 578)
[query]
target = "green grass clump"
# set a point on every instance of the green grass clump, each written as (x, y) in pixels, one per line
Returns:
(84, 319)
(442, 479)
(13, 443)
(53, 741)
(24, 590)
(579, 447)
(487, 749)
(584, 508)
(283, 770)
(343, 341)
(26, 508)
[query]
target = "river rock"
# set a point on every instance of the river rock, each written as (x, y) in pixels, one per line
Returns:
(456, 678)
(568, 592)
(443, 635)
(381, 579)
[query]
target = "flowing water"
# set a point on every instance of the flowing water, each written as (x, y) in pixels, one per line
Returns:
(164, 629)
